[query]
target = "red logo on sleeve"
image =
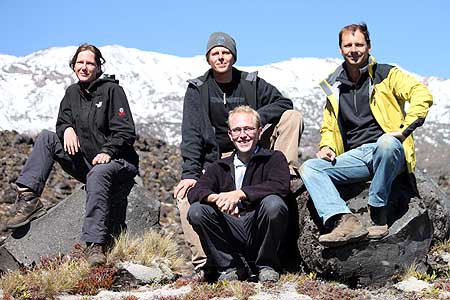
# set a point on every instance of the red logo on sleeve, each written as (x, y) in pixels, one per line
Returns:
(121, 112)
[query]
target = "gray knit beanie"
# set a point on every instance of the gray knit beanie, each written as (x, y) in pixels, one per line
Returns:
(221, 39)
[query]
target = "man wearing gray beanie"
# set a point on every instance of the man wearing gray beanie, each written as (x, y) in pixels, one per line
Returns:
(221, 39)
(207, 102)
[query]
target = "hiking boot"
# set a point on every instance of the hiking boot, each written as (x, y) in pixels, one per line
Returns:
(377, 232)
(28, 207)
(204, 274)
(268, 274)
(232, 274)
(349, 229)
(379, 228)
(95, 254)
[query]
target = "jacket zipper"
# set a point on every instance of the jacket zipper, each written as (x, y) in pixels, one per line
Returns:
(354, 99)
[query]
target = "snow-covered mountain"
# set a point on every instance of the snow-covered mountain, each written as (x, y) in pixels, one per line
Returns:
(32, 87)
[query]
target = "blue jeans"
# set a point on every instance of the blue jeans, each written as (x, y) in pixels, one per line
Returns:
(381, 161)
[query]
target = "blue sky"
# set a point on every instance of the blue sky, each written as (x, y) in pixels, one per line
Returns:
(413, 34)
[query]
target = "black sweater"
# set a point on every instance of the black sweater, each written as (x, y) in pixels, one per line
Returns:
(267, 174)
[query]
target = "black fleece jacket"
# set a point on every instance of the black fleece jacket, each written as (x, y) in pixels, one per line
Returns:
(101, 118)
(199, 145)
(267, 174)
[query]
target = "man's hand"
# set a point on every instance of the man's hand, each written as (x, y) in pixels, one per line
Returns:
(398, 135)
(227, 202)
(183, 187)
(71, 142)
(101, 158)
(212, 198)
(326, 153)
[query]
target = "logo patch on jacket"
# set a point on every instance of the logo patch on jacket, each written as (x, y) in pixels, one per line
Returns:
(121, 112)
(99, 104)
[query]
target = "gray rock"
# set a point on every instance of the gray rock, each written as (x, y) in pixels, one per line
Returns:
(413, 284)
(152, 274)
(58, 230)
(7, 261)
(375, 262)
(438, 205)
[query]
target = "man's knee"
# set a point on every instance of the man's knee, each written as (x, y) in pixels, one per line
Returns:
(196, 213)
(293, 118)
(309, 166)
(292, 115)
(388, 144)
(274, 206)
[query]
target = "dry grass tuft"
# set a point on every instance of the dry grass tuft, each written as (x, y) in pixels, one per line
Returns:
(411, 271)
(242, 290)
(236, 289)
(152, 248)
(72, 273)
(441, 246)
(324, 291)
(46, 280)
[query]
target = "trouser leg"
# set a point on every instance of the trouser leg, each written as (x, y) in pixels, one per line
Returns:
(320, 177)
(48, 148)
(388, 162)
(99, 184)
(285, 136)
(268, 230)
(191, 238)
(222, 235)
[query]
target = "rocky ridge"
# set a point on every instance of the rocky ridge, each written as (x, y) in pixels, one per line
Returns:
(160, 165)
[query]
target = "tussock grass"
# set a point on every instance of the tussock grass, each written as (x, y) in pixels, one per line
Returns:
(296, 277)
(46, 280)
(72, 274)
(150, 249)
(441, 246)
(411, 271)
(238, 290)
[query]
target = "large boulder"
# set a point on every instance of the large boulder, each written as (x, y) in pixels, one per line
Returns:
(414, 222)
(58, 230)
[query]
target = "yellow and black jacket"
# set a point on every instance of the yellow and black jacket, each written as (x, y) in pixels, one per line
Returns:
(389, 90)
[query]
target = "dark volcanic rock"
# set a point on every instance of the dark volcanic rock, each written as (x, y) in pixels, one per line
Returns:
(374, 262)
(58, 230)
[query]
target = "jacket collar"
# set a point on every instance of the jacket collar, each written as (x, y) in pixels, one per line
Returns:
(331, 80)
(94, 84)
(228, 161)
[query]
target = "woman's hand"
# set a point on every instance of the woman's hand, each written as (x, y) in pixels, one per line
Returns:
(71, 142)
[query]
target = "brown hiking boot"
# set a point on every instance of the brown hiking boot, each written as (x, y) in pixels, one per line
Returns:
(349, 229)
(95, 255)
(28, 207)
(379, 228)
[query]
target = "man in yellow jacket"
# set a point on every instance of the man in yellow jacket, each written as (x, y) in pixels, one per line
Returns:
(366, 134)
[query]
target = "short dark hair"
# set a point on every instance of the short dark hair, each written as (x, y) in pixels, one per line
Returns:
(99, 60)
(362, 27)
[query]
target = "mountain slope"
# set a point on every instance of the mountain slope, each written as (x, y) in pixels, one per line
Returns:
(31, 88)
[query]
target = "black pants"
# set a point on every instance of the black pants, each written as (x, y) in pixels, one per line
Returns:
(255, 236)
(100, 181)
